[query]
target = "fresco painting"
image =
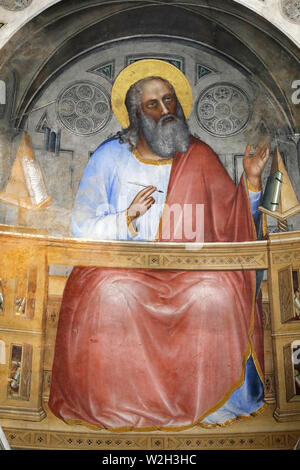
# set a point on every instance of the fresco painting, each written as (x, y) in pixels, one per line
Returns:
(142, 137)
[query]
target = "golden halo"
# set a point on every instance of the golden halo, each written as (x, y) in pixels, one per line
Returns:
(143, 69)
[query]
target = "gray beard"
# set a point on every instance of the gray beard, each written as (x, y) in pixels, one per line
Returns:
(165, 139)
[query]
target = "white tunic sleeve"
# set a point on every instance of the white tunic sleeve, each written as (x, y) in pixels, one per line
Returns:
(94, 214)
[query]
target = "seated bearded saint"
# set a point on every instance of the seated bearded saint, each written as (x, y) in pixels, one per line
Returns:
(143, 349)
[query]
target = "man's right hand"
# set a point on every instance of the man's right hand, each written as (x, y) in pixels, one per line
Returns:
(141, 203)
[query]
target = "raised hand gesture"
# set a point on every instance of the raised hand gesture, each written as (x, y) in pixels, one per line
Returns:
(255, 164)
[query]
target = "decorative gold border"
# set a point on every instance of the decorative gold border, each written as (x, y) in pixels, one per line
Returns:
(252, 188)
(148, 161)
(67, 440)
(130, 254)
(260, 411)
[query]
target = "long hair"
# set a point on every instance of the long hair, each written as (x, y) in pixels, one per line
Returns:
(130, 134)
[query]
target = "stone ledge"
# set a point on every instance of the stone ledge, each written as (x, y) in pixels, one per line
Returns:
(261, 432)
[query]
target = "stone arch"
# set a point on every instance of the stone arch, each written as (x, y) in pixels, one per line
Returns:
(15, 21)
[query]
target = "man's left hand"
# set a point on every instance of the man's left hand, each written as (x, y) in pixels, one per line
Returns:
(255, 164)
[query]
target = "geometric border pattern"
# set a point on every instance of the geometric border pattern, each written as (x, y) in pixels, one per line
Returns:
(99, 70)
(43, 122)
(205, 72)
(33, 439)
(215, 256)
(285, 258)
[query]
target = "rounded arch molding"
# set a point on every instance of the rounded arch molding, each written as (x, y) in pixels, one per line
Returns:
(226, 31)
(14, 23)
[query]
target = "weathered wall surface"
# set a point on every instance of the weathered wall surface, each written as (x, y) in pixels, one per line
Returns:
(59, 59)
(284, 14)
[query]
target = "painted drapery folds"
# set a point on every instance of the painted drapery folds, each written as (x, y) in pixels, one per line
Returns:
(158, 349)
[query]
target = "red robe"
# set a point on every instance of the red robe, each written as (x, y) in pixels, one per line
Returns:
(147, 349)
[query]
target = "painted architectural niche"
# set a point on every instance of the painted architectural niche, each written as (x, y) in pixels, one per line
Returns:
(291, 354)
(15, 5)
(19, 379)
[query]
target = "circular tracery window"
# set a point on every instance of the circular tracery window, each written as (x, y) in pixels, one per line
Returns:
(83, 108)
(223, 110)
